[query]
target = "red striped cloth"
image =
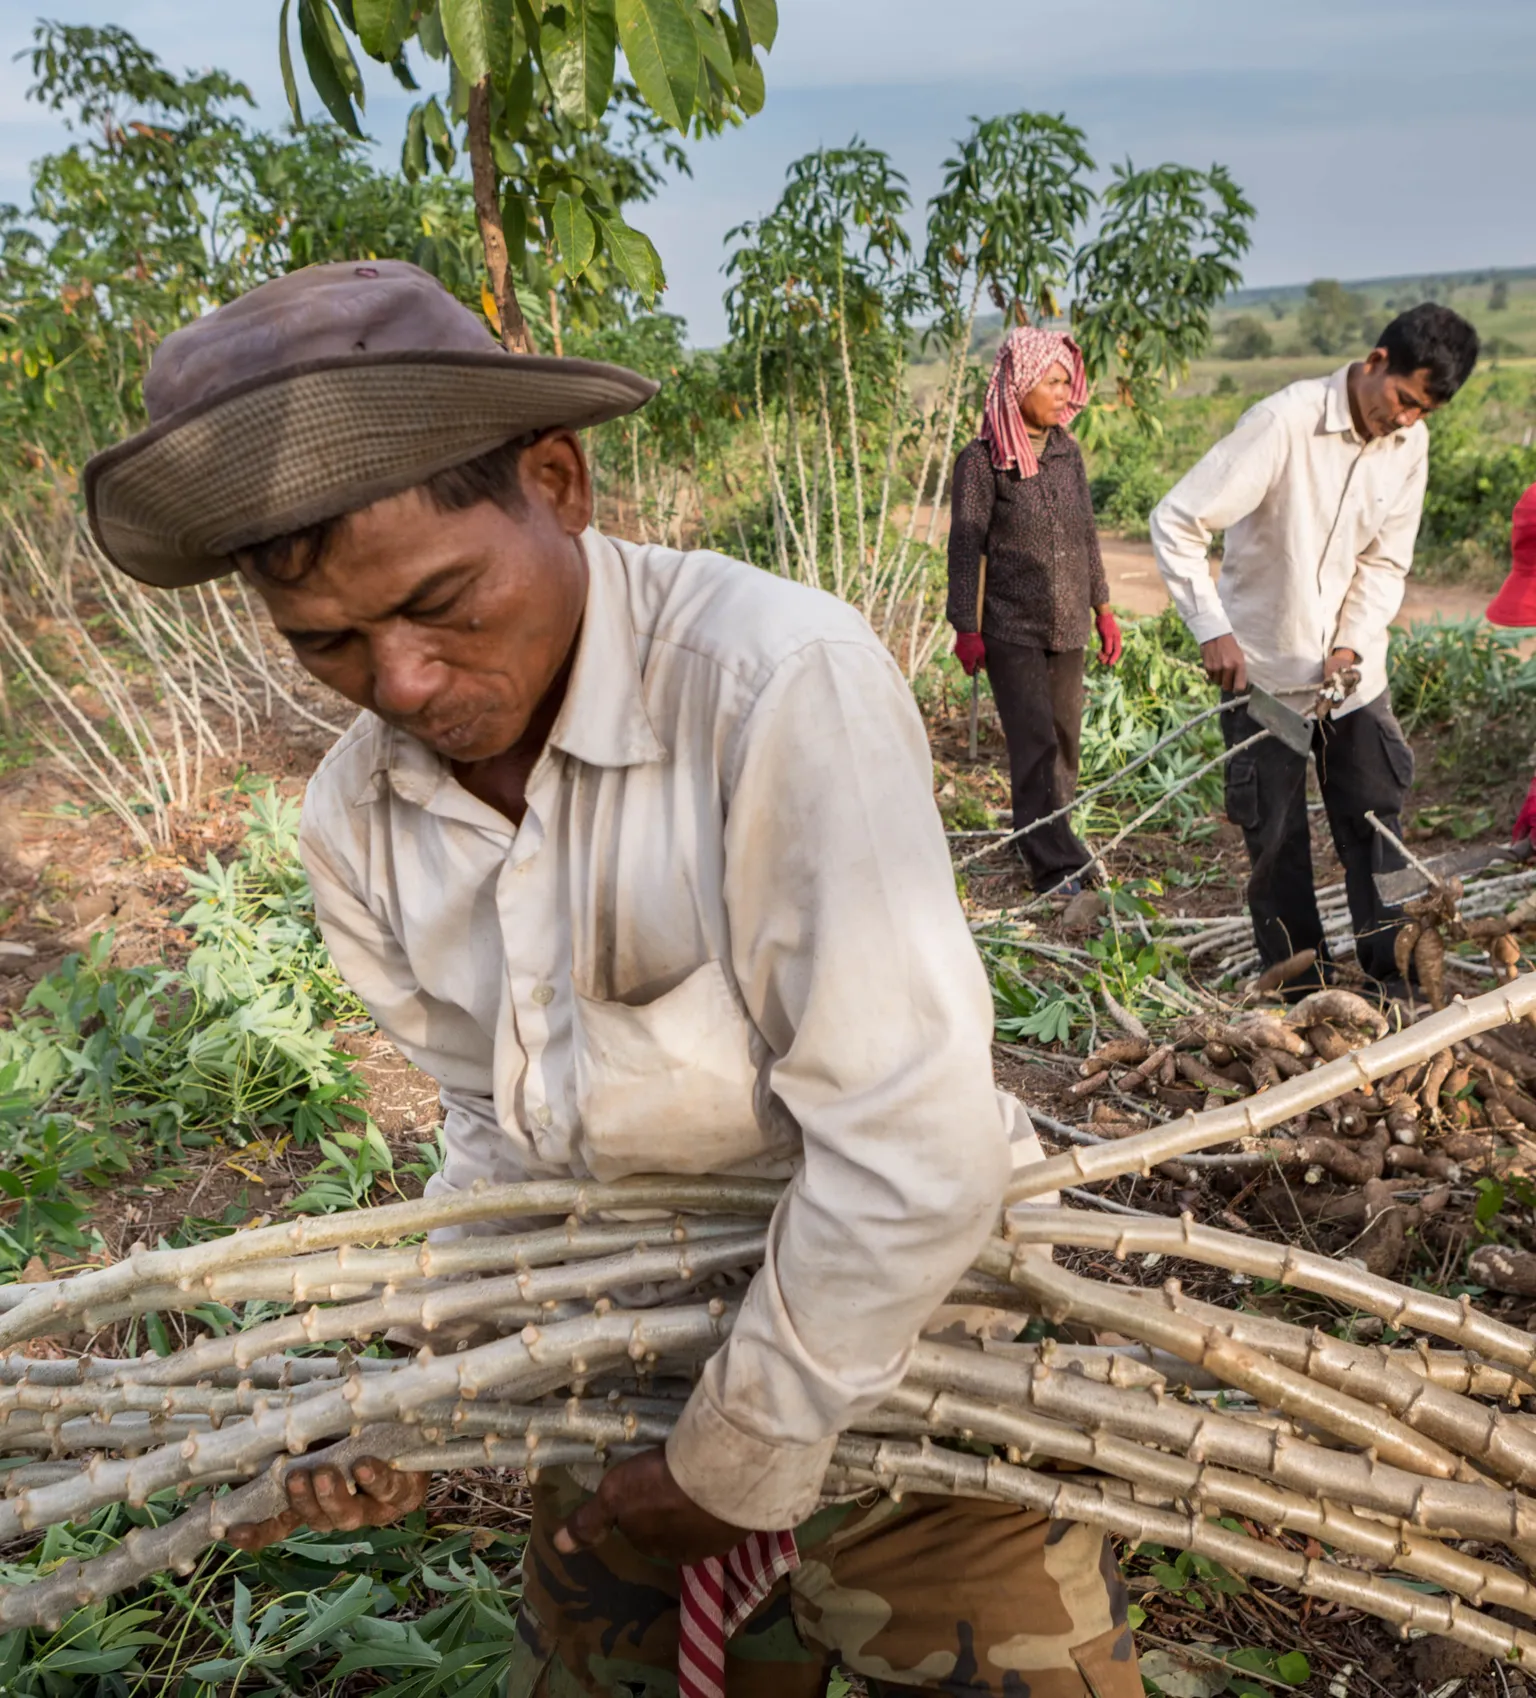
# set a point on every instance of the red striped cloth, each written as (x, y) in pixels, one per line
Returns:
(718, 1595)
(1026, 355)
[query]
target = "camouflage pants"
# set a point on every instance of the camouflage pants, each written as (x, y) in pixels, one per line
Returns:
(942, 1594)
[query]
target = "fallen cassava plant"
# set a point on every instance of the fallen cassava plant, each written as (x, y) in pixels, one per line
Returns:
(580, 1341)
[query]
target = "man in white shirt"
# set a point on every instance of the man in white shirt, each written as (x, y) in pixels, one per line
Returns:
(635, 851)
(1319, 491)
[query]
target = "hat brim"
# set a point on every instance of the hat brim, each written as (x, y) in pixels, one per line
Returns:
(1515, 604)
(308, 442)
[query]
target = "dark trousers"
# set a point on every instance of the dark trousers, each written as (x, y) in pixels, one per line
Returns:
(1039, 695)
(1364, 765)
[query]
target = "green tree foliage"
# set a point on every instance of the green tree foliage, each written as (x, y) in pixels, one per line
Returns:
(1333, 319)
(165, 204)
(1246, 337)
(1165, 253)
(1008, 216)
(525, 82)
(822, 304)
(1474, 483)
(1498, 295)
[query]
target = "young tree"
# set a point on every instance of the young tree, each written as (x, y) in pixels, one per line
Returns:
(1166, 252)
(1332, 319)
(1246, 337)
(525, 82)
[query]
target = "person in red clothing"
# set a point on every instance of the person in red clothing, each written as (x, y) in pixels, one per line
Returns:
(1021, 500)
(1515, 604)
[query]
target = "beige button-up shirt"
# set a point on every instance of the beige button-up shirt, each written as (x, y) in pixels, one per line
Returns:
(1320, 526)
(725, 938)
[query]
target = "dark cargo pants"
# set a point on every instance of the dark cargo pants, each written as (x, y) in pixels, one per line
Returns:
(1364, 765)
(936, 1594)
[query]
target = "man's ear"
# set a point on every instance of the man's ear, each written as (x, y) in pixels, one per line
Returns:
(1376, 362)
(553, 472)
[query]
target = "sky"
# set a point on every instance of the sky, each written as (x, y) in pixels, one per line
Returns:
(1375, 137)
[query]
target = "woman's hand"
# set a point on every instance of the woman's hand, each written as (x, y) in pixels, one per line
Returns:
(1111, 646)
(970, 651)
(322, 1499)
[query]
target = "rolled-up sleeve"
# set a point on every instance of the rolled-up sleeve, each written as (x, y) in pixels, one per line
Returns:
(856, 964)
(1227, 485)
(1381, 568)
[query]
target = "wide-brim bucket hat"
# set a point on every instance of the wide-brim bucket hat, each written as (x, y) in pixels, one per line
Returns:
(1515, 604)
(315, 395)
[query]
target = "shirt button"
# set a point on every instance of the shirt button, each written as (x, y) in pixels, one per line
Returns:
(543, 995)
(542, 1116)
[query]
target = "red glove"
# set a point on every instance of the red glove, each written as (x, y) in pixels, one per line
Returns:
(1110, 645)
(1525, 820)
(970, 651)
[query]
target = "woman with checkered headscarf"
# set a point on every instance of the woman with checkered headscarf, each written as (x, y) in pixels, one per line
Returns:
(1027, 585)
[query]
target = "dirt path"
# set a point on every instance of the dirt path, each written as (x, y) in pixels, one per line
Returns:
(1135, 586)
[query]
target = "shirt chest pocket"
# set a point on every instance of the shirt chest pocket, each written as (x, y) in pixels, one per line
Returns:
(668, 1086)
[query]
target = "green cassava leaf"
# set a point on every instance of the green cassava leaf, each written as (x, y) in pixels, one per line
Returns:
(519, 102)
(514, 225)
(438, 134)
(332, 68)
(383, 26)
(760, 18)
(663, 54)
(578, 59)
(634, 256)
(576, 234)
(750, 88)
(413, 152)
(285, 59)
(478, 33)
(429, 32)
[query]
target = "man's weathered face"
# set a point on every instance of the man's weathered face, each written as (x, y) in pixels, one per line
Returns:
(451, 626)
(1385, 401)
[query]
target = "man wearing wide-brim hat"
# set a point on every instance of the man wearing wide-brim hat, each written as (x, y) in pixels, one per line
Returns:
(635, 852)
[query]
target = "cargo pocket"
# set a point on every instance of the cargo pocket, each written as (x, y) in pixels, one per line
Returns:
(1242, 791)
(668, 1086)
(1399, 756)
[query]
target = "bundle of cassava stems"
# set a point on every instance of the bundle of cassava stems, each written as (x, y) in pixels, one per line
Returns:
(1405, 1461)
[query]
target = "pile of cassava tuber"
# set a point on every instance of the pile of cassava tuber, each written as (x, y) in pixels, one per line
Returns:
(1366, 1168)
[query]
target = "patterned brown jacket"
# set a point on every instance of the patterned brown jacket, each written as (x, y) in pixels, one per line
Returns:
(1044, 570)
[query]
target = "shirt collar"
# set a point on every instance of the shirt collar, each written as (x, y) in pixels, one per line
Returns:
(603, 720)
(1336, 414)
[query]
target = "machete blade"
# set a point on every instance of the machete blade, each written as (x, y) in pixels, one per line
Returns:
(1282, 722)
(1402, 886)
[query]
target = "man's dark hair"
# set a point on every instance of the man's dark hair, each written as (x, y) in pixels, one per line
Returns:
(491, 476)
(1431, 338)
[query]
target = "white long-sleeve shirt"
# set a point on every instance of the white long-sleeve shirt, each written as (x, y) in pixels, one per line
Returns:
(1320, 526)
(725, 938)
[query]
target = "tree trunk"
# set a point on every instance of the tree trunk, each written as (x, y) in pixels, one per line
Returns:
(514, 328)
